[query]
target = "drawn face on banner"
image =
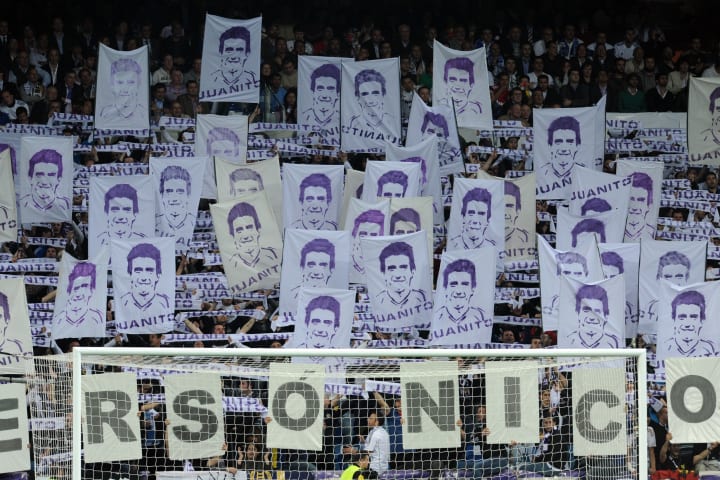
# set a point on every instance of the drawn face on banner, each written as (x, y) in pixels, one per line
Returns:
(315, 198)
(317, 263)
(245, 230)
(5, 321)
(612, 264)
(714, 107)
(688, 314)
(322, 321)
(45, 172)
(423, 167)
(591, 306)
(223, 142)
(459, 79)
(587, 229)
(392, 184)
(639, 205)
(459, 280)
(674, 267)
(513, 204)
(245, 180)
(370, 92)
(434, 125)
(325, 87)
(405, 220)
(143, 266)
(594, 205)
(572, 264)
(564, 145)
(175, 187)
(124, 85)
(121, 208)
(370, 223)
(476, 212)
(80, 290)
(397, 264)
(234, 47)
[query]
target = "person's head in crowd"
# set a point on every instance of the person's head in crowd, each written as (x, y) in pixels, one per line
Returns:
(425, 94)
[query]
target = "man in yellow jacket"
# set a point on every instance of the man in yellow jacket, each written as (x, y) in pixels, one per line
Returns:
(359, 470)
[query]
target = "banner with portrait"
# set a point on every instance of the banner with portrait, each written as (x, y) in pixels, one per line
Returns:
(438, 121)
(624, 259)
(582, 264)
(143, 274)
(591, 315)
(565, 137)
(597, 192)
(323, 319)
(365, 219)
(45, 174)
(15, 344)
(461, 82)
(177, 184)
(318, 97)
(703, 121)
(465, 298)
(680, 263)
(313, 196)
(312, 259)
(369, 106)
(81, 302)
(572, 230)
(645, 196)
(220, 136)
(123, 92)
(123, 208)
(425, 152)
(477, 215)
(250, 242)
(687, 323)
(410, 215)
(230, 70)
(399, 281)
(8, 201)
(385, 179)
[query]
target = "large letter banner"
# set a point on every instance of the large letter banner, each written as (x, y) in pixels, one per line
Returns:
(399, 281)
(15, 344)
(178, 182)
(692, 398)
(703, 127)
(110, 424)
(431, 405)
(513, 414)
(223, 137)
(365, 219)
(123, 208)
(15, 431)
(250, 242)
(465, 298)
(680, 263)
(123, 93)
(323, 319)
(81, 303)
(477, 215)
(46, 179)
(428, 122)
(318, 98)
(599, 424)
(597, 192)
(231, 60)
(687, 324)
(624, 259)
(385, 179)
(582, 264)
(313, 196)
(295, 394)
(143, 273)
(573, 230)
(460, 81)
(8, 202)
(195, 415)
(592, 315)
(645, 196)
(369, 109)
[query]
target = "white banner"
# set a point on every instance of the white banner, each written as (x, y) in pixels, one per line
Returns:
(515, 421)
(691, 398)
(428, 122)
(365, 219)
(46, 179)
(16, 344)
(369, 106)
(645, 194)
(598, 192)
(219, 136)
(624, 259)
(353, 189)
(591, 315)
(250, 242)
(312, 259)
(680, 263)
(196, 422)
(15, 434)
(123, 89)
(431, 405)
(687, 325)
(8, 202)
(111, 430)
(399, 281)
(477, 215)
(572, 230)
(123, 208)
(296, 393)
(599, 416)
(231, 60)
(318, 95)
(177, 184)
(323, 319)
(465, 297)
(143, 273)
(461, 82)
(703, 132)
(81, 302)
(313, 196)
(385, 179)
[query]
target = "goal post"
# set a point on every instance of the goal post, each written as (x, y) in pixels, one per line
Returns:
(450, 413)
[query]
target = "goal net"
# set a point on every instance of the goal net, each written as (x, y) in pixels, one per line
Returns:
(282, 414)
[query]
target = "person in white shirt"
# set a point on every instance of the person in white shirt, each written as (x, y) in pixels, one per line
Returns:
(377, 444)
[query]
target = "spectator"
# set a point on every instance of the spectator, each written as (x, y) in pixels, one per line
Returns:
(632, 99)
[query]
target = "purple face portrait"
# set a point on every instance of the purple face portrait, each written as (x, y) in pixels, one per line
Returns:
(459, 79)
(234, 48)
(434, 124)
(688, 314)
(125, 75)
(564, 144)
(322, 320)
(590, 226)
(5, 311)
(392, 184)
(595, 204)
(692, 298)
(121, 208)
(591, 306)
(239, 210)
(315, 198)
(370, 92)
(45, 171)
(592, 292)
(317, 262)
(571, 264)
(397, 249)
(325, 89)
(144, 267)
(82, 269)
(614, 261)
(423, 166)
(245, 180)
(674, 267)
(462, 265)
(714, 108)
(175, 188)
(223, 142)
(405, 220)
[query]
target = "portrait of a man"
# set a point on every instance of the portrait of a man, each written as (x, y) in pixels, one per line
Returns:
(688, 316)
(121, 210)
(592, 309)
(515, 235)
(594, 205)
(641, 199)
(370, 223)
(459, 280)
(144, 267)
(8, 345)
(80, 292)
(436, 125)
(322, 321)
(459, 79)
(475, 212)
(125, 75)
(405, 220)
(45, 172)
(317, 264)
(392, 184)
(712, 134)
(612, 263)
(244, 227)
(674, 267)
(563, 144)
(397, 265)
(572, 264)
(245, 180)
(370, 91)
(423, 167)
(315, 198)
(586, 229)
(234, 46)
(175, 185)
(325, 90)
(223, 142)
